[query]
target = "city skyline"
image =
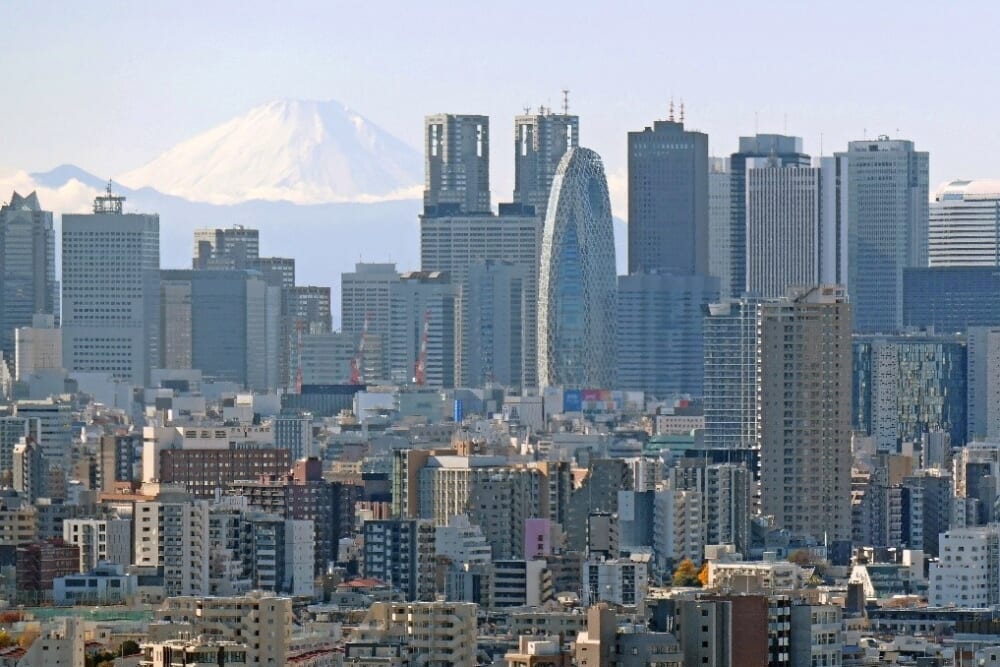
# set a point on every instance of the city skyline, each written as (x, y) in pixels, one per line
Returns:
(835, 100)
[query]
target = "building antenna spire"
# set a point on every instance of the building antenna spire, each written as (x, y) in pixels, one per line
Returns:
(682, 111)
(565, 92)
(670, 116)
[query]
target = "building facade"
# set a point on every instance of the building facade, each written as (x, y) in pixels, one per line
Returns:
(110, 291)
(577, 304)
(661, 332)
(964, 224)
(668, 200)
(27, 267)
(885, 189)
(457, 164)
(805, 413)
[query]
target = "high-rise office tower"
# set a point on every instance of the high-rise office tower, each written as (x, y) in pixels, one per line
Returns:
(964, 224)
(422, 329)
(225, 248)
(454, 244)
(668, 200)
(110, 281)
(366, 312)
(305, 312)
(493, 305)
(27, 268)
(983, 407)
(884, 186)
(576, 291)
(660, 324)
(222, 322)
(457, 159)
(782, 226)
(907, 386)
(719, 222)
(731, 341)
(540, 141)
(805, 412)
(951, 299)
(784, 151)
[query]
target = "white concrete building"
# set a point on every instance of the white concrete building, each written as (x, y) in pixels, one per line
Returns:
(262, 621)
(782, 227)
(172, 533)
(38, 347)
(620, 581)
(678, 528)
(967, 573)
(521, 583)
(100, 540)
(105, 584)
(61, 643)
(816, 635)
(110, 284)
(461, 541)
(964, 224)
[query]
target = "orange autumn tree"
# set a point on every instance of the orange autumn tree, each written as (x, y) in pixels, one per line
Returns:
(686, 574)
(703, 574)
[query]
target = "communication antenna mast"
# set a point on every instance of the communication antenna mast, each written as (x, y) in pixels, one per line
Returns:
(109, 202)
(670, 115)
(682, 111)
(565, 92)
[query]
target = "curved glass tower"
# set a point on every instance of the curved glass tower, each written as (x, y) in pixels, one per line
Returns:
(576, 290)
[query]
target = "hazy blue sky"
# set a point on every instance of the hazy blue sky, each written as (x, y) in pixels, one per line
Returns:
(109, 85)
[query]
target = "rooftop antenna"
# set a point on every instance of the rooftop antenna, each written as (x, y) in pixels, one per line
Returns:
(821, 144)
(565, 92)
(682, 111)
(670, 116)
(527, 109)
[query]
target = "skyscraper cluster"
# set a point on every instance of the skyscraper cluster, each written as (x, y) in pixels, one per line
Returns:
(783, 414)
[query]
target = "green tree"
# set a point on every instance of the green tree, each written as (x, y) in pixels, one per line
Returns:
(686, 574)
(129, 647)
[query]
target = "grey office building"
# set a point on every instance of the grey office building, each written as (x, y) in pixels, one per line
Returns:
(660, 332)
(224, 323)
(950, 299)
(110, 285)
(493, 307)
(719, 222)
(27, 268)
(540, 141)
(884, 186)
(783, 151)
(453, 244)
(457, 164)
(668, 200)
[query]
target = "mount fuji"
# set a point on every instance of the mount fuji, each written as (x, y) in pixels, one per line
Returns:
(302, 152)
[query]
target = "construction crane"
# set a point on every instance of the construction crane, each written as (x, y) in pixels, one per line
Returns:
(420, 373)
(299, 326)
(359, 357)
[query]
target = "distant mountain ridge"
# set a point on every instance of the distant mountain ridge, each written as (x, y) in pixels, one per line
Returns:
(304, 152)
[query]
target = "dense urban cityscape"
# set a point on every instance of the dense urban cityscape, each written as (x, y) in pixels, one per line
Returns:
(752, 421)
(775, 441)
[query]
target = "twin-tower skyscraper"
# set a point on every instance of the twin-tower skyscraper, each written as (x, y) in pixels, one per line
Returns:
(537, 280)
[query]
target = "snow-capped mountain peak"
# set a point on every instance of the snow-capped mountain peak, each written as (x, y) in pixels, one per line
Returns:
(305, 152)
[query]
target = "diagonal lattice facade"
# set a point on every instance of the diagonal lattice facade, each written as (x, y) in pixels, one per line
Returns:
(577, 290)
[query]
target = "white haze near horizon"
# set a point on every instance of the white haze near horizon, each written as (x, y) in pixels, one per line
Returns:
(163, 72)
